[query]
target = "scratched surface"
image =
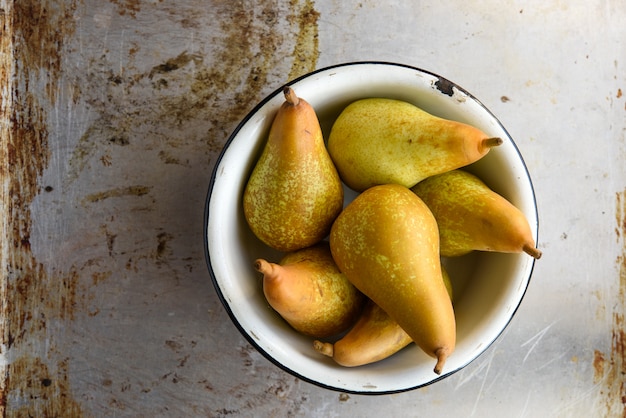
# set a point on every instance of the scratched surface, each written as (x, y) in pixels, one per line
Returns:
(113, 114)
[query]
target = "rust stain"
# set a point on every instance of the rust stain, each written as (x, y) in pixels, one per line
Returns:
(127, 7)
(598, 365)
(36, 43)
(43, 389)
(163, 249)
(217, 93)
(175, 63)
(615, 366)
(117, 192)
(306, 50)
(34, 33)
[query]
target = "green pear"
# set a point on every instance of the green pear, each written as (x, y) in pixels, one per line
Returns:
(294, 192)
(380, 141)
(307, 289)
(471, 216)
(386, 242)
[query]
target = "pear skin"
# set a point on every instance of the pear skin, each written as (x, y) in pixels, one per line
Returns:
(294, 192)
(307, 289)
(471, 216)
(374, 337)
(386, 242)
(381, 141)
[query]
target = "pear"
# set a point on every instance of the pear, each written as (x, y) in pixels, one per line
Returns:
(386, 242)
(380, 141)
(307, 289)
(471, 216)
(294, 192)
(374, 337)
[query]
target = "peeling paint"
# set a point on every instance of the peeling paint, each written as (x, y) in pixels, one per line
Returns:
(445, 86)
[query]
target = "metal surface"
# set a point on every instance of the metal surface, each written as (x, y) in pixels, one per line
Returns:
(113, 114)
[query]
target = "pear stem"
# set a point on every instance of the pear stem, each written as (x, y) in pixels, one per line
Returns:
(326, 349)
(532, 251)
(266, 268)
(492, 142)
(290, 96)
(441, 354)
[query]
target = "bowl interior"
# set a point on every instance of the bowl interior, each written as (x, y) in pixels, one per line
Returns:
(488, 286)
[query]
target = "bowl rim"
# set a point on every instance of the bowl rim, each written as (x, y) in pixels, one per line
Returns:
(445, 86)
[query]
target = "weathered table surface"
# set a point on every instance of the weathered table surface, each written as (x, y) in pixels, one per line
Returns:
(113, 115)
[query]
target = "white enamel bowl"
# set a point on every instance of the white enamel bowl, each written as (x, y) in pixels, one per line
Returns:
(488, 287)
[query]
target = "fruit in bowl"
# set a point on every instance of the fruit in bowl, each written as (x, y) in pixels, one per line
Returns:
(294, 192)
(379, 140)
(307, 289)
(488, 286)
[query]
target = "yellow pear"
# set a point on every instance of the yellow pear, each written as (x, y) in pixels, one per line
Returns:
(307, 289)
(380, 141)
(386, 242)
(294, 192)
(471, 216)
(374, 337)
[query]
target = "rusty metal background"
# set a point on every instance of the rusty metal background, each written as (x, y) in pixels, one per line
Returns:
(113, 113)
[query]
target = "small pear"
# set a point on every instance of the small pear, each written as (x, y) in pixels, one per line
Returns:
(471, 216)
(374, 337)
(380, 141)
(307, 289)
(386, 242)
(294, 192)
